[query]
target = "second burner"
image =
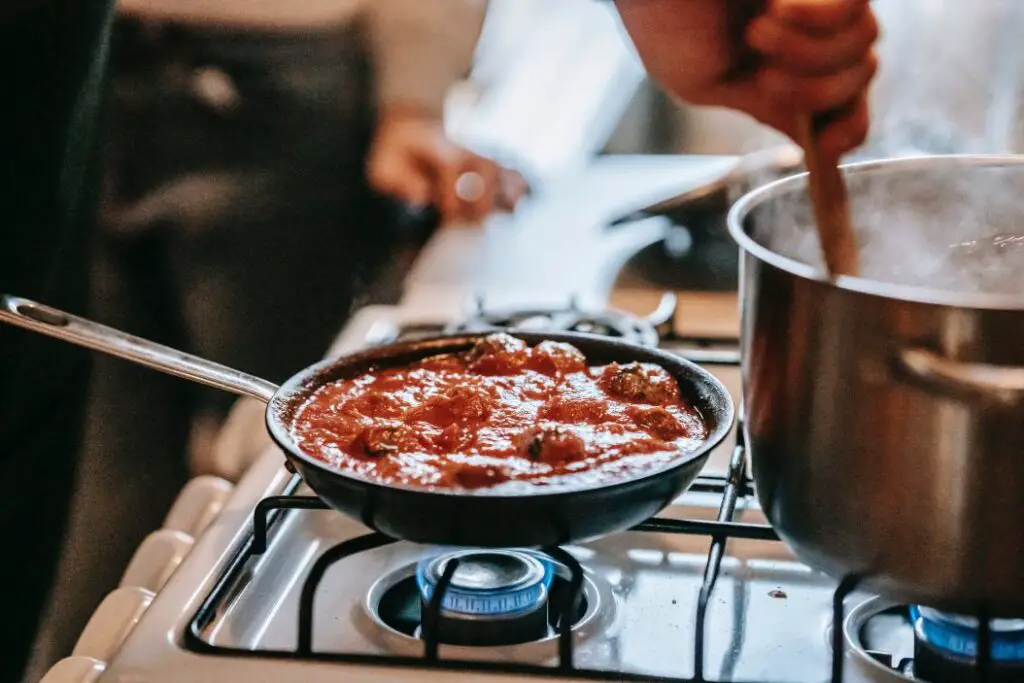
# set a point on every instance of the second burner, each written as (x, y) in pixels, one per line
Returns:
(609, 323)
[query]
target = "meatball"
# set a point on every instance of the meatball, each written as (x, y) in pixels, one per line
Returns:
(469, 403)
(452, 438)
(575, 409)
(376, 442)
(459, 403)
(660, 423)
(640, 382)
(376, 404)
(497, 344)
(557, 358)
(498, 354)
(554, 445)
(478, 476)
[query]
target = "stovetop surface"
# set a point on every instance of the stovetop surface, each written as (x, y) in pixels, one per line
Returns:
(705, 592)
(642, 591)
(647, 585)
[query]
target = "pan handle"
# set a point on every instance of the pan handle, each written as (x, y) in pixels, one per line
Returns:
(51, 322)
(996, 384)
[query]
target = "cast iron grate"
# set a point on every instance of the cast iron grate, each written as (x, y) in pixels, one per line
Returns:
(735, 486)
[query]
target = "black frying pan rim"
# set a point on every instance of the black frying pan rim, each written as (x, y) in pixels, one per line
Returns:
(299, 384)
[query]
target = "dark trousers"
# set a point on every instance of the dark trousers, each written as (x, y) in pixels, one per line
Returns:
(235, 223)
(51, 67)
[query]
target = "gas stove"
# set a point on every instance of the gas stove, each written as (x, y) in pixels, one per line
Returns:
(261, 581)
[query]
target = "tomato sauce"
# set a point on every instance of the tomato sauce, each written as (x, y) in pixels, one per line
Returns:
(504, 416)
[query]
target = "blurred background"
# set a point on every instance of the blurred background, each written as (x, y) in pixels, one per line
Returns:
(949, 82)
(554, 89)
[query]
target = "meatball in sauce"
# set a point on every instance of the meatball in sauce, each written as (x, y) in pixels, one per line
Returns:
(502, 416)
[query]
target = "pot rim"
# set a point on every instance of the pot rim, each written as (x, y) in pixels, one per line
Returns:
(923, 295)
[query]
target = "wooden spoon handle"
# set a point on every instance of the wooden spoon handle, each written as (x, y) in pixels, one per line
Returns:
(831, 205)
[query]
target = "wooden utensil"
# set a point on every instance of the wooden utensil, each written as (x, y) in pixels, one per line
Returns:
(830, 203)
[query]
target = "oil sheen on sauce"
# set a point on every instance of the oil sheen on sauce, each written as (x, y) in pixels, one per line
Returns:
(502, 417)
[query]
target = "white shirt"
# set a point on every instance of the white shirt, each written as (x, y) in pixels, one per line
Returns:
(421, 47)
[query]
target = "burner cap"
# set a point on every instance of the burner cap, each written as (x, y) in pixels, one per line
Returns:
(946, 647)
(488, 582)
(495, 597)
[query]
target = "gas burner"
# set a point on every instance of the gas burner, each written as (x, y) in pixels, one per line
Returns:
(945, 647)
(496, 598)
(890, 642)
(879, 642)
(609, 323)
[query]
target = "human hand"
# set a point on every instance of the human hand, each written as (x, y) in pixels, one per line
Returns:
(771, 59)
(413, 159)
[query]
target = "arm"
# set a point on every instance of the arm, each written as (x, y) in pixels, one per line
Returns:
(421, 48)
(771, 60)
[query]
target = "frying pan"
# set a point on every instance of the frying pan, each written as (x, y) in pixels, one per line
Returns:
(441, 517)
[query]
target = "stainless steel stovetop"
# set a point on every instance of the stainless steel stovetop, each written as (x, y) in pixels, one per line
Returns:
(705, 592)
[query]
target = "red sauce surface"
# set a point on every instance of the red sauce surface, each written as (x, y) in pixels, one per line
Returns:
(503, 416)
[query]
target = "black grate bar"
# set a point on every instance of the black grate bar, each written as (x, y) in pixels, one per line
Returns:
(569, 606)
(316, 574)
(431, 619)
(845, 588)
(983, 660)
(737, 478)
(716, 483)
(698, 527)
(709, 483)
(732, 488)
(261, 515)
(710, 356)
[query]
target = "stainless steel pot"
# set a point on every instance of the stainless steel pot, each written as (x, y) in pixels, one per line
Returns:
(886, 423)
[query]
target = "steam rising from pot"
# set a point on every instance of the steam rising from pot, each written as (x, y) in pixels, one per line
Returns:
(949, 83)
(935, 224)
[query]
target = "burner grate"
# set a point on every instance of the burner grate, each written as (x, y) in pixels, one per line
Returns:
(734, 487)
(609, 323)
(982, 664)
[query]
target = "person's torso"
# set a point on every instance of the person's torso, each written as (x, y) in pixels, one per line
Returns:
(52, 60)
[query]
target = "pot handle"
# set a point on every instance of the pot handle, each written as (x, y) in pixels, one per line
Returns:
(51, 322)
(1002, 385)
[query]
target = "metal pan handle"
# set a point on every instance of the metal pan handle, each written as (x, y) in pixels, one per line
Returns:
(995, 384)
(54, 323)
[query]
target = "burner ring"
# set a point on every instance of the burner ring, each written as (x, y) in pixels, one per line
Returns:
(597, 615)
(929, 662)
(491, 583)
(957, 637)
(859, 666)
(496, 597)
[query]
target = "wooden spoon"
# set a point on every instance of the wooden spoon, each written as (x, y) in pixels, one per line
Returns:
(830, 203)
